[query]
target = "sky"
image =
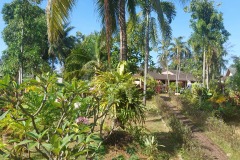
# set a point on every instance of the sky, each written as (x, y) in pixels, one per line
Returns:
(85, 19)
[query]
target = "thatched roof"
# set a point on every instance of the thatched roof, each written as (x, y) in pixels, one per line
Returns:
(171, 75)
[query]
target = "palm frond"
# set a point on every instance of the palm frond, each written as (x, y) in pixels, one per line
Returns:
(160, 9)
(57, 14)
(107, 10)
(168, 9)
(131, 5)
(153, 31)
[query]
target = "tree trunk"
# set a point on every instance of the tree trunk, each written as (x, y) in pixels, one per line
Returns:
(177, 74)
(207, 77)
(108, 24)
(168, 79)
(179, 68)
(204, 68)
(48, 14)
(20, 69)
(146, 58)
(123, 32)
(53, 63)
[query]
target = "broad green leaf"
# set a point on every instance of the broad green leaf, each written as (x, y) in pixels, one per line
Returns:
(59, 130)
(81, 153)
(33, 135)
(48, 146)
(5, 81)
(80, 138)
(38, 79)
(56, 151)
(66, 140)
(55, 141)
(24, 142)
(3, 115)
(32, 145)
(43, 133)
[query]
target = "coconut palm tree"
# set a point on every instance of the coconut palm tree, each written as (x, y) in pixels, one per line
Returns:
(57, 15)
(63, 46)
(112, 12)
(165, 13)
(163, 58)
(179, 50)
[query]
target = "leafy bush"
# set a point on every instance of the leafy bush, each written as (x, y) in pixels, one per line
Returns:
(172, 87)
(151, 86)
(41, 119)
(180, 133)
(119, 97)
(65, 121)
(151, 146)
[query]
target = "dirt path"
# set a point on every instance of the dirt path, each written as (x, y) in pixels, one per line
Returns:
(211, 150)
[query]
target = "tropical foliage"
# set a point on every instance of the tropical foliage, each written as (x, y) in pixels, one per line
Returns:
(73, 113)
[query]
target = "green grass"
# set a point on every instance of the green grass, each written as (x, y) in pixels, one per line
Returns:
(224, 136)
(219, 132)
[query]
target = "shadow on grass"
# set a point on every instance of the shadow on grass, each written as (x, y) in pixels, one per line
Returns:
(166, 98)
(154, 120)
(167, 143)
(119, 138)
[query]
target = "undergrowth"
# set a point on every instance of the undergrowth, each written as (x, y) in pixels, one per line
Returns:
(187, 147)
(213, 126)
(225, 136)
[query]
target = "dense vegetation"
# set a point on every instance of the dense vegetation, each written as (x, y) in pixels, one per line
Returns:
(73, 113)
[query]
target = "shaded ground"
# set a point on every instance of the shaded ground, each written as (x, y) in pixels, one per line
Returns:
(121, 144)
(211, 150)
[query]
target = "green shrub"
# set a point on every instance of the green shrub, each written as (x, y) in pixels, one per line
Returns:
(119, 97)
(58, 121)
(172, 87)
(150, 93)
(41, 119)
(180, 133)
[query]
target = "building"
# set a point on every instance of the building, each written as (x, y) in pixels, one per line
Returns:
(230, 72)
(162, 78)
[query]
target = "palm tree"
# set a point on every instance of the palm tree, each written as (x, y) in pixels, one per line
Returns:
(57, 12)
(209, 32)
(108, 10)
(85, 59)
(165, 13)
(63, 46)
(179, 48)
(163, 58)
(111, 13)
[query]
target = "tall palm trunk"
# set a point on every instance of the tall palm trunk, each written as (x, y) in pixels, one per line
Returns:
(207, 76)
(179, 68)
(108, 27)
(204, 66)
(168, 83)
(53, 63)
(177, 74)
(123, 32)
(20, 69)
(48, 13)
(146, 57)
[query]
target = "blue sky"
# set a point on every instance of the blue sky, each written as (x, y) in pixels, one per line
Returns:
(85, 19)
